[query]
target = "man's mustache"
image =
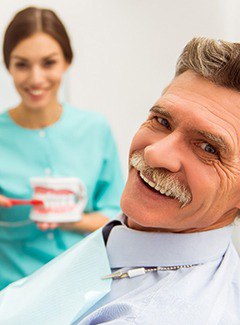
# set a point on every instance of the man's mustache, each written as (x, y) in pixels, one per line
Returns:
(165, 181)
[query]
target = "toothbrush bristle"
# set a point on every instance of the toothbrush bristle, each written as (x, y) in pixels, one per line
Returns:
(37, 202)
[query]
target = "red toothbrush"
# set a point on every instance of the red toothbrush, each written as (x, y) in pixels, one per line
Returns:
(26, 202)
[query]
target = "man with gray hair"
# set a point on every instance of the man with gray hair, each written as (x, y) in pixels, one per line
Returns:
(170, 254)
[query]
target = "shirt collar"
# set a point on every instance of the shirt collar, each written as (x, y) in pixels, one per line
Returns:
(131, 248)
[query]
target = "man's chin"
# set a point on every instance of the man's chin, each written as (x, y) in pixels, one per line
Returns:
(139, 219)
(143, 227)
(134, 225)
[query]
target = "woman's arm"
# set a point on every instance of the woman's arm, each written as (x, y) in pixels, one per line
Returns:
(88, 223)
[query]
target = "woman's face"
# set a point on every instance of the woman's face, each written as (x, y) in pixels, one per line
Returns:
(37, 65)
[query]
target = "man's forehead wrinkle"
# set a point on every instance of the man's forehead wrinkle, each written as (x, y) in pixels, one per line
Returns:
(170, 97)
(182, 94)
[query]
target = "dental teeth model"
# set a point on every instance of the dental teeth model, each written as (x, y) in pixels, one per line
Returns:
(64, 199)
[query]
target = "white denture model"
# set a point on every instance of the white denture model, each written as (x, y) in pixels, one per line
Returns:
(64, 199)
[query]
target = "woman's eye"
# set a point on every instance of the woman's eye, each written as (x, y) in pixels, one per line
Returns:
(163, 122)
(49, 63)
(208, 148)
(20, 65)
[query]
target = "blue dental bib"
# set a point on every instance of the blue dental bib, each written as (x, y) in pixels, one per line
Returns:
(68, 285)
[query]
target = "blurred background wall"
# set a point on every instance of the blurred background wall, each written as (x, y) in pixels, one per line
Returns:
(125, 52)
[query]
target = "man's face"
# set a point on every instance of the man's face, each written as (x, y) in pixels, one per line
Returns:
(188, 150)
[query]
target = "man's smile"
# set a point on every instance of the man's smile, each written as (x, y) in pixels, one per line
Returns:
(159, 180)
(155, 186)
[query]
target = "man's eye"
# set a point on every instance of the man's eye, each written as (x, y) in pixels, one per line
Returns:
(208, 148)
(163, 122)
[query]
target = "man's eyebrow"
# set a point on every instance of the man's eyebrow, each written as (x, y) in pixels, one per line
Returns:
(218, 140)
(161, 110)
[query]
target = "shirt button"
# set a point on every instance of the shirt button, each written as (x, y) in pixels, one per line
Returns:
(47, 171)
(50, 236)
(42, 133)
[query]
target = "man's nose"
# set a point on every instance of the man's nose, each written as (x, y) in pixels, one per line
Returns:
(164, 153)
(36, 76)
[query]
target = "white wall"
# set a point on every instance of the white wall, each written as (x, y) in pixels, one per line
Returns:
(125, 51)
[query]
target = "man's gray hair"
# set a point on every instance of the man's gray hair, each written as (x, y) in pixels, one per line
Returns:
(215, 60)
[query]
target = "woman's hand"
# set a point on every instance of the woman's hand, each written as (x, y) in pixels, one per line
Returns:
(88, 223)
(5, 202)
(47, 225)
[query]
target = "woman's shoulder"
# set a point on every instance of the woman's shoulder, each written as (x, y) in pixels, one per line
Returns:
(4, 118)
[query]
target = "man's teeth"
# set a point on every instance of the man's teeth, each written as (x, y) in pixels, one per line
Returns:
(36, 92)
(161, 190)
(152, 184)
(155, 186)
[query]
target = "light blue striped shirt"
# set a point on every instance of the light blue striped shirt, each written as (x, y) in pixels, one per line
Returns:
(208, 293)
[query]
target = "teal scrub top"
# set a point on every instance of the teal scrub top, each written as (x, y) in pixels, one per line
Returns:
(80, 144)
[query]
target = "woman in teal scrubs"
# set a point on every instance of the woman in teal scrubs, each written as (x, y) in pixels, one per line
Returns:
(43, 137)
